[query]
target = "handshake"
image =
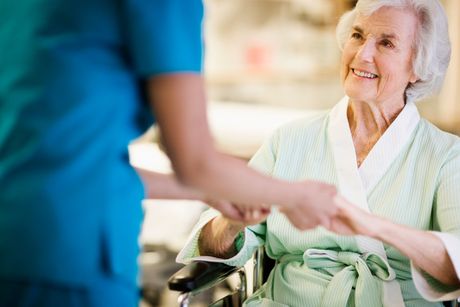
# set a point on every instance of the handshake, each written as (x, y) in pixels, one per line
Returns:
(307, 205)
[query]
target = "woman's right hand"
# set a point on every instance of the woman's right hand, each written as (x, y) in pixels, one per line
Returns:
(217, 237)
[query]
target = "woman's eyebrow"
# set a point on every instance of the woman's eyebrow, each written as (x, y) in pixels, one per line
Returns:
(390, 36)
(358, 29)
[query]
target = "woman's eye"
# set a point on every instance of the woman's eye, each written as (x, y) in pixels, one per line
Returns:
(356, 35)
(387, 44)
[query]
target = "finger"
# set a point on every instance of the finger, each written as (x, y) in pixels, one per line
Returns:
(338, 227)
(230, 211)
(340, 201)
(302, 223)
(253, 216)
(264, 214)
(256, 215)
(265, 209)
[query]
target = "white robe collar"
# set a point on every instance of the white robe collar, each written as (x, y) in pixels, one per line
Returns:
(384, 151)
(354, 184)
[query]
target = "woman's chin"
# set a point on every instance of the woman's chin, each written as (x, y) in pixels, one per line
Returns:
(359, 95)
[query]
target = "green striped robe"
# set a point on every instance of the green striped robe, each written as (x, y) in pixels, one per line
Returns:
(411, 176)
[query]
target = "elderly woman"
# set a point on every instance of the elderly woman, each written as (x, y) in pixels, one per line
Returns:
(399, 177)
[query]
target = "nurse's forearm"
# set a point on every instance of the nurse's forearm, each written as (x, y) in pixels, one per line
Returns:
(426, 250)
(179, 104)
(166, 186)
(217, 238)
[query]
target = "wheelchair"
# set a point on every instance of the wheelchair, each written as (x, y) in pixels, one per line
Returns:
(199, 276)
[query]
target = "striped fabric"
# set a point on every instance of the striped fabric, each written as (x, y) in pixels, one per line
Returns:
(419, 189)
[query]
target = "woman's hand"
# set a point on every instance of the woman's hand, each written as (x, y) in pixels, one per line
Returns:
(217, 237)
(351, 220)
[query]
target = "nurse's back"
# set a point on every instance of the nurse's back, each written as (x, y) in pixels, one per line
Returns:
(69, 104)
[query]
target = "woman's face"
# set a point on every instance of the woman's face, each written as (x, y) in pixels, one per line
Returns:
(377, 57)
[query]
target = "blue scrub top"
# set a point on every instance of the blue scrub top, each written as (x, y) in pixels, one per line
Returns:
(71, 98)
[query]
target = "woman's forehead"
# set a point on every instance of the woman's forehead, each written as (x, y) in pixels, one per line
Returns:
(399, 23)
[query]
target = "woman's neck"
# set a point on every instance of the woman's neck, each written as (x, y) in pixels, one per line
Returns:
(368, 122)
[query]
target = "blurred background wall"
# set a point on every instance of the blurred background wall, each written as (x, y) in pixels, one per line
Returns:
(284, 53)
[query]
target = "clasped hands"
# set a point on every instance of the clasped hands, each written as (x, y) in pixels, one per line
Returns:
(311, 204)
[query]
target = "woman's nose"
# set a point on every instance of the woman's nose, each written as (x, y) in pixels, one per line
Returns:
(366, 51)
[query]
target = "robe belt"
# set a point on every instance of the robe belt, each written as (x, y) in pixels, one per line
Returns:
(366, 272)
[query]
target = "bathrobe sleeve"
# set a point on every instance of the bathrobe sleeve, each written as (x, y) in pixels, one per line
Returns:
(446, 222)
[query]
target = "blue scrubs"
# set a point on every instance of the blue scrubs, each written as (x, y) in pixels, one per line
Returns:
(71, 98)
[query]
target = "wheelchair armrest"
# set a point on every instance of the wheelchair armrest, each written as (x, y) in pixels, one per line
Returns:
(200, 275)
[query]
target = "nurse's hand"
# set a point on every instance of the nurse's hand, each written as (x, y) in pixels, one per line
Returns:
(310, 204)
(240, 215)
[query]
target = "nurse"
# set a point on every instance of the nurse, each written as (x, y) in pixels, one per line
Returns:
(79, 79)
(397, 174)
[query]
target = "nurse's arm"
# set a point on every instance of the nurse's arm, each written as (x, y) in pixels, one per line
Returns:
(166, 186)
(179, 105)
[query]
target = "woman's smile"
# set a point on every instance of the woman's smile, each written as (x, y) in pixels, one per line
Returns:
(363, 74)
